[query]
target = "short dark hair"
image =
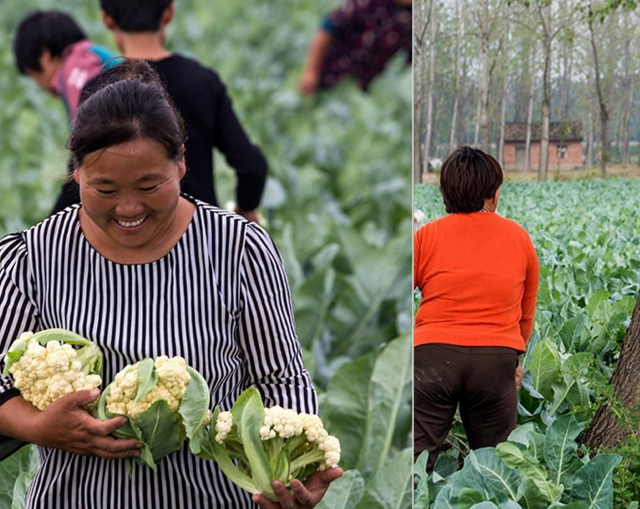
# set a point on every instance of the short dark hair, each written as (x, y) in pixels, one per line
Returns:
(467, 178)
(126, 102)
(52, 31)
(136, 15)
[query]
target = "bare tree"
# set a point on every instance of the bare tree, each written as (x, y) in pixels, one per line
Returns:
(532, 93)
(418, 66)
(589, 155)
(544, 10)
(485, 97)
(503, 108)
(430, 81)
(604, 113)
(476, 137)
(456, 85)
(629, 85)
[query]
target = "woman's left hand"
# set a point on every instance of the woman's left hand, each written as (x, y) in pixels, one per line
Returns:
(305, 496)
(519, 374)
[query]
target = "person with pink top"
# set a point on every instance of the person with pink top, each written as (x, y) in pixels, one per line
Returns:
(52, 50)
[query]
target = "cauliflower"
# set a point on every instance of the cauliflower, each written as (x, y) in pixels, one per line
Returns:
(173, 379)
(46, 366)
(165, 401)
(255, 445)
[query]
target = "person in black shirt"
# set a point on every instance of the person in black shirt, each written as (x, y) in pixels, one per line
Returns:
(139, 30)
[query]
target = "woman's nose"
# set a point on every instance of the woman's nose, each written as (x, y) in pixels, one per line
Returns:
(129, 207)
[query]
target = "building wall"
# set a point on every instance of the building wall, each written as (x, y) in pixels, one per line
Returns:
(573, 159)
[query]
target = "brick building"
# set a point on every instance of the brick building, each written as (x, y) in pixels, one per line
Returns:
(565, 145)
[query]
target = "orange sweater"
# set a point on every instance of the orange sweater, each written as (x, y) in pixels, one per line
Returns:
(478, 274)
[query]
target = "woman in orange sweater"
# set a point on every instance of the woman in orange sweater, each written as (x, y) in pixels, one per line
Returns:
(478, 274)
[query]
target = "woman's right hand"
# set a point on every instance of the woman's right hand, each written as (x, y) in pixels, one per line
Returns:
(519, 374)
(66, 425)
(309, 81)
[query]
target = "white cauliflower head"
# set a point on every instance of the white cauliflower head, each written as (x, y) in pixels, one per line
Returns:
(163, 391)
(44, 374)
(173, 379)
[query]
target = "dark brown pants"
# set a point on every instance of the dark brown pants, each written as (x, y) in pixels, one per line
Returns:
(479, 379)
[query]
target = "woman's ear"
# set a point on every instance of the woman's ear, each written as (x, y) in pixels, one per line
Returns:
(76, 176)
(182, 165)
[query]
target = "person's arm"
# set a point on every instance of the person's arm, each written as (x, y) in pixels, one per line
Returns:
(311, 73)
(244, 157)
(65, 424)
(267, 336)
(530, 295)
(417, 252)
(266, 328)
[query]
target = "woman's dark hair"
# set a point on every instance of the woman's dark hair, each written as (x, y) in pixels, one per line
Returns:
(41, 31)
(136, 15)
(467, 178)
(125, 103)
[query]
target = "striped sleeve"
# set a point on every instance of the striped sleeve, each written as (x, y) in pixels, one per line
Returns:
(17, 309)
(266, 332)
(17, 314)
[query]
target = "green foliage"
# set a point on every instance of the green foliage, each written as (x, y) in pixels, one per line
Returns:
(159, 429)
(586, 236)
(254, 469)
(337, 200)
(626, 479)
(15, 473)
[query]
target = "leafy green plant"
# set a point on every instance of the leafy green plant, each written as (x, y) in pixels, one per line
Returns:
(530, 470)
(585, 234)
(337, 202)
(255, 446)
(165, 401)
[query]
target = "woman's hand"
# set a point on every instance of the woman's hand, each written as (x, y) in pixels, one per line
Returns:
(305, 496)
(66, 425)
(519, 373)
(309, 81)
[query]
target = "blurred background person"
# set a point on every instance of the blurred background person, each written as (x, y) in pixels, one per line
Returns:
(52, 50)
(139, 31)
(356, 40)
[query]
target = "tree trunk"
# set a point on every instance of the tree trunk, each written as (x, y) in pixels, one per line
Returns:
(605, 430)
(461, 129)
(604, 114)
(432, 71)
(532, 93)
(503, 108)
(476, 136)
(418, 21)
(485, 98)
(630, 84)
(456, 85)
(503, 115)
(590, 145)
(545, 13)
(568, 53)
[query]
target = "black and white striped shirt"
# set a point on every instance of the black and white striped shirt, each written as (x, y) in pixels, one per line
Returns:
(219, 298)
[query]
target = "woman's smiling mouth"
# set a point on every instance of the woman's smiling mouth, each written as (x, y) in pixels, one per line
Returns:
(130, 224)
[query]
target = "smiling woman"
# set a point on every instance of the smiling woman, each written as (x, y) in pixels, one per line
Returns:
(129, 174)
(144, 272)
(131, 206)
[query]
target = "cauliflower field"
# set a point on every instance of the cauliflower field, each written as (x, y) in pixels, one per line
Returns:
(586, 235)
(338, 204)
